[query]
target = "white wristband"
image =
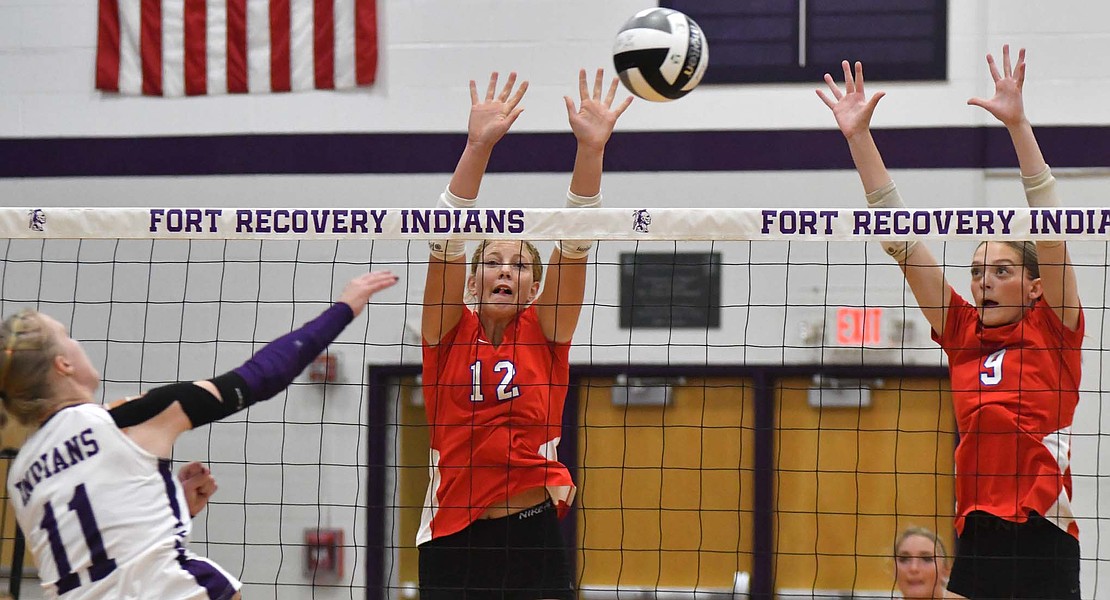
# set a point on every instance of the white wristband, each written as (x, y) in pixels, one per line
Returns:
(448, 250)
(575, 249)
(899, 251)
(1040, 192)
(1040, 189)
(576, 201)
(449, 200)
(888, 197)
(885, 197)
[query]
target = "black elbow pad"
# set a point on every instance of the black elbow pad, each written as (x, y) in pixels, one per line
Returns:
(196, 402)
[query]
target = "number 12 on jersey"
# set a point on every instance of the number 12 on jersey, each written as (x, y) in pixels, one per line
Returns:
(506, 390)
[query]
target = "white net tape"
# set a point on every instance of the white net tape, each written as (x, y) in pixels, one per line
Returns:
(818, 224)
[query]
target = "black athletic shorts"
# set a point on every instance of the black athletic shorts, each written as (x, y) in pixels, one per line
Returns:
(996, 558)
(518, 557)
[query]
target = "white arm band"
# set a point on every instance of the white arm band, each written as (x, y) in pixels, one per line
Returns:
(448, 250)
(1040, 192)
(1040, 189)
(578, 248)
(888, 197)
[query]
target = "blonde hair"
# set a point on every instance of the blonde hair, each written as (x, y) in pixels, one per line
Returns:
(536, 260)
(28, 355)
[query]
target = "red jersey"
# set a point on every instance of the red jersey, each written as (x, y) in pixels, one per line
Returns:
(1014, 389)
(495, 418)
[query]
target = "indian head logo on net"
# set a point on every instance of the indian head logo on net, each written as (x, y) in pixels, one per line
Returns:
(37, 220)
(641, 220)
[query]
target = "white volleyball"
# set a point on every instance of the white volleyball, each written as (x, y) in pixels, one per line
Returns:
(660, 54)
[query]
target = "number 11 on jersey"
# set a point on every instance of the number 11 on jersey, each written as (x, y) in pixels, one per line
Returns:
(101, 564)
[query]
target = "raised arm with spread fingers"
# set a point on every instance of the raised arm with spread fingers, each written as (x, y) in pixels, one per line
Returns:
(1058, 281)
(592, 123)
(853, 111)
(157, 418)
(491, 117)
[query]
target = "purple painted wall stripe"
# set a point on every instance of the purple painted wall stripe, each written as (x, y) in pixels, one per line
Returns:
(634, 151)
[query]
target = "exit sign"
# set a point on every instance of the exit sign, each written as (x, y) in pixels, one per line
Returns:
(857, 326)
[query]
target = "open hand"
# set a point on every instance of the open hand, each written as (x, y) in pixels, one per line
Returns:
(851, 106)
(361, 288)
(1007, 104)
(593, 121)
(491, 117)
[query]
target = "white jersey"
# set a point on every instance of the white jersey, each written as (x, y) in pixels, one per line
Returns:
(105, 518)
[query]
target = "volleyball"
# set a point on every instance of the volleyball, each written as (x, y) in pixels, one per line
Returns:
(660, 54)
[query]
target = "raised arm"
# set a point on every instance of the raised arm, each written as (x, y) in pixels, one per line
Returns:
(560, 302)
(490, 119)
(1058, 281)
(853, 110)
(156, 419)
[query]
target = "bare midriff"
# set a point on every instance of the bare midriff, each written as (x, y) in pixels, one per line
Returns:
(516, 503)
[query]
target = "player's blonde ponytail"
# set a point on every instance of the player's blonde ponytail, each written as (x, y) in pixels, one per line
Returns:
(27, 353)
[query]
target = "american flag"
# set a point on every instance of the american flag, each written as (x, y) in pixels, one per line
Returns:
(196, 47)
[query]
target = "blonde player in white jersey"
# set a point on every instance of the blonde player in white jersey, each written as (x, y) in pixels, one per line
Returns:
(92, 487)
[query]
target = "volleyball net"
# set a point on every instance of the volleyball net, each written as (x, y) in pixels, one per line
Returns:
(756, 406)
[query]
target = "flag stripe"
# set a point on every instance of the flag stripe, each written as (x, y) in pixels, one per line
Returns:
(130, 63)
(279, 45)
(323, 44)
(237, 46)
(366, 42)
(344, 67)
(150, 36)
(196, 47)
(173, 47)
(301, 35)
(215, 44)
(107, 47)
(258, 47)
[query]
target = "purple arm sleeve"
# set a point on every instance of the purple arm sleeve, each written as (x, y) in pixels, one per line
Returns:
(275, 366)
